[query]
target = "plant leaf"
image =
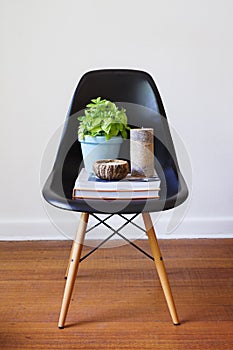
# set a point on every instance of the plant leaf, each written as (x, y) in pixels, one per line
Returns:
(103, 117)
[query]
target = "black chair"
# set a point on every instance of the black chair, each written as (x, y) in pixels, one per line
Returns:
(136, 91)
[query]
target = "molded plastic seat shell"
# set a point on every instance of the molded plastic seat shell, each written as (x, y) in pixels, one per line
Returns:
(137, 92)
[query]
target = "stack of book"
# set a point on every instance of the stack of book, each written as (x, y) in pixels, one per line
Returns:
(91, 187)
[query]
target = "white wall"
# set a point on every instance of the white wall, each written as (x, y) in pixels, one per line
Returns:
(46, 45)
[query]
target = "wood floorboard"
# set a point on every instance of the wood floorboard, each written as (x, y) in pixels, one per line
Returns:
(117, 301)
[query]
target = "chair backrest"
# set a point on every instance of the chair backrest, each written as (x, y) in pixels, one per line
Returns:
(134, 90)
(117, 85)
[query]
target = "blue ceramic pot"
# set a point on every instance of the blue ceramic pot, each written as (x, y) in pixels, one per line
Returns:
(96, 148)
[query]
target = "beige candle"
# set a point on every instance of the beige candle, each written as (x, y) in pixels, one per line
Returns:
(142, 152)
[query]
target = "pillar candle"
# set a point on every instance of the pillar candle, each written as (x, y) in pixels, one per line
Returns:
(142, 152)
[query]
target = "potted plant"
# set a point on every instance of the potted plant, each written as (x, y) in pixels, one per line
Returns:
(101, 131)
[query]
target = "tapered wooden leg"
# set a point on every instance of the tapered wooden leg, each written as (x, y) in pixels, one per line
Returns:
(69, 261)
(73, 267)
(160, 266)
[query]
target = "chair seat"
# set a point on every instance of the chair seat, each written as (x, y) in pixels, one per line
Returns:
(54, 194)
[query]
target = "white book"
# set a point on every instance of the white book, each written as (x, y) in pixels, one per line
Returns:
(89, 186)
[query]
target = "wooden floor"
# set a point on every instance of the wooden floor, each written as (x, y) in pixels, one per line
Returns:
(117, 301)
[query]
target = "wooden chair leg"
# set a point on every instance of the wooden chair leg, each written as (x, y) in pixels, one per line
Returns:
(160, 267)
(69, 261)
(73, 267)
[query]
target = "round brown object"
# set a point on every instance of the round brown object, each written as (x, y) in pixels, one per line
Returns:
(111, 169)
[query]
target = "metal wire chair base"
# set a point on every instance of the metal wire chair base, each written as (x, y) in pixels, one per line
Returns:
(116, 232)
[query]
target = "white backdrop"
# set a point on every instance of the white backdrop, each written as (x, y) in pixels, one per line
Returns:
(47, 45)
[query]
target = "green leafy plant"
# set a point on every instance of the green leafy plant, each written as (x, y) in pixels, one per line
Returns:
(103, 118)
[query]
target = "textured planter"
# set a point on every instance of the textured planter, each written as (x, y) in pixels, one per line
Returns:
(95, 148)
(111, 169)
